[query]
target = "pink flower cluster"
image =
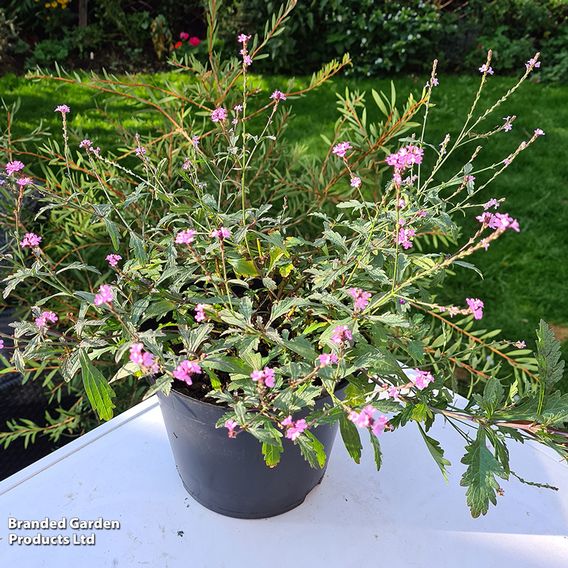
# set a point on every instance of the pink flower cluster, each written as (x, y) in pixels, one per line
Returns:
(498, 221)
(278, 96)
(294, 428)
(1, 344)
(185, 371)
(422, 379)
(355, 182)
(104, 295)
(265, 376)
(14, 166)
(476, 307)
(341, 149)
(87, 145)
(326, 359)
(30, 240)
(486, 69)
(366, 419)
(221, 233)
(42, 320)
(405, 235)
(532, 63)
(243, 39)
(63, 109)
(361, 298)
(341, 334)
(200, 313)
(143, 359)
(405, 158)
(113, 259)
(185, 237)
(219, 114)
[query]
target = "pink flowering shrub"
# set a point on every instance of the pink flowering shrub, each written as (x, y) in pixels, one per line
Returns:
(228, 297)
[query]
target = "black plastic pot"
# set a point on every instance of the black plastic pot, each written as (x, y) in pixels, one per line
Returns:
(228, 475)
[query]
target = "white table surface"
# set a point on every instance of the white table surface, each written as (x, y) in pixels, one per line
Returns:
(406, 515)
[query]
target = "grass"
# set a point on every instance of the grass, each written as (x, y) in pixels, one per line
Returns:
(526, 274)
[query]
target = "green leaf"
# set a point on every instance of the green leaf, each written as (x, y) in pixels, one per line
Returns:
(479, 478)
(137, 247)
(243, 267)
(112, 230)
(99, 392)
(312, 450)
(376, 450)
(351, 438)
(436, 452)
(284, 306)
(550, 365)
(163, 384)
(271, 454)
(492, 395)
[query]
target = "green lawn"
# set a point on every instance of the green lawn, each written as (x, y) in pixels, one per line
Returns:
(526, 274)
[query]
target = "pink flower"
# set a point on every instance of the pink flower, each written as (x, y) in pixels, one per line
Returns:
(405, 158)
(194, 41)
(45, 317)
(1, 344)
(341, 334)
(247, 60)
(405, 237)
(361, 298)
(486, 69)
(356, 182)
(30, 240)
(200, 313)
(422, 379)
(184, 36)
(520, 344)
(243, 38)
(185, 370)
(143, 359)
(476, 307)
(14, 166)
(366, 419)
(140, 151)
(379, 425)
(278, 96)
(435, 82)
(221, 233)
(231, 425)
(113, 259)
(23, 181)
(341, 149)
(104, 295)
(393, 393)
(219, 114)
(185, 237)
(539, 132)
(86, 144)
(532, 63)
(469, 179)
(266, 376)
(508, 123)
(294, 428)
(498, 221)
(326, 359)
(492, 203)
(63, 109)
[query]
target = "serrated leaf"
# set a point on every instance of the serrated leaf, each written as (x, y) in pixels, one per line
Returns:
(436, 452)
(480, 476)
(376, 450)
(550, 364)
(98, 391)
(271, 454)
(351, 438)
(312, 450)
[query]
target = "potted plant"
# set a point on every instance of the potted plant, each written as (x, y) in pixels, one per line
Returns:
(262, 338)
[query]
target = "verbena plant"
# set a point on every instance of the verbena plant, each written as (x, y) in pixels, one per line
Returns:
(226, 298)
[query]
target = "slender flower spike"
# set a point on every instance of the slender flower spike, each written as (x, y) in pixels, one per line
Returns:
(422, 379)
(185, 371)
(243, 38)
(294, 428)
(476, 307)
(326, 359)
(30, 240)
(486, 69)
(231, 425)
(104, 295)
(113, 259)
(361, 298)
(219, 114)
(63, 109)
(42, 320)
(221, 233)
(341, 334)
(200, 313)
(278, 96)
(341, 149)
(185, 237)
(14, 166)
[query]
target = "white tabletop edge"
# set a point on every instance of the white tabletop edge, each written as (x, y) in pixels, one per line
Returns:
(55, 457)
